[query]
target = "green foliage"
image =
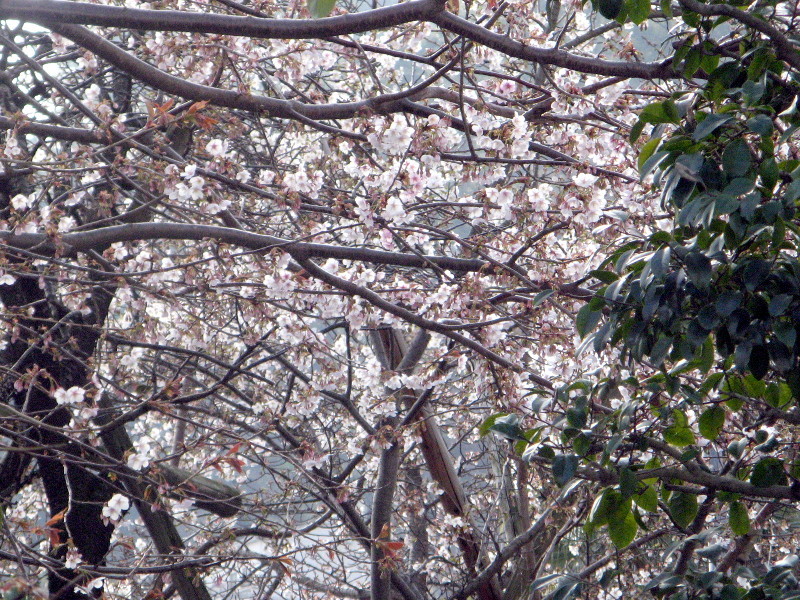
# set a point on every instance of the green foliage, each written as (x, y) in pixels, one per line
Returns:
(505, 425)
(768, 471)
(683, 508)
(679, 433)
(703, 317)
(564, 467)
(320, 8)
(738, 518)
(610, 9)
(709, 309)
(711, 422)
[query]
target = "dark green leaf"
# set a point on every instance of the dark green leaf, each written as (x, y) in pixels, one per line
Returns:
(692, 61)
(638, 10)
(754, 273)
(725, 204)
(768, 471)
(577, 414)
(581, 444)
(647, 151)
(760, 124)
(648, 499)
(708, 317)
(508, 427)
(793, 190)
(742, 355)
(660, 112)
(779, 304)
(636, 130)
(587, 320)
(727, 302)
(769, 171)
(603, 334)
(683, 508)
(708, 125)
(679, 436)
(604, 276)
(739, 187)
(778, 394)
(546, 452)
(542, 296)
(786, 333)
(752, 91)
(615, 506)
(753, 387)
(627, 482)
(660, 349)
(564, 467)
(736, 159)
(705, 360)
(598, 514)
(320, 8)
(623, 531)
(698, 268)
(486, 426)
(609, 8)
(711, 422)
(759, 361)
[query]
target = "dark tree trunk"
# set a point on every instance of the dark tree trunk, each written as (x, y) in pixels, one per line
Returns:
(70, 488)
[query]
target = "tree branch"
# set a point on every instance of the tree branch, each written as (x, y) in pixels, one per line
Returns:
(550, 56)
(100, 238)
(783, 46)
(55, 12)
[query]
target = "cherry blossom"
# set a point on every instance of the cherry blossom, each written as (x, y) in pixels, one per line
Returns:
(115, 507)
(6, 278)
(73, 395)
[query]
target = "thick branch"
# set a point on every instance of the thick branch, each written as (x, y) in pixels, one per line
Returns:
(100, 238)
(70, 134)
(156, 78)
(159, 523)
(550, 56)
(783, 46)
(49, 12)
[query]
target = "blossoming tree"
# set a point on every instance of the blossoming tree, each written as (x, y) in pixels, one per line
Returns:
(433, 299)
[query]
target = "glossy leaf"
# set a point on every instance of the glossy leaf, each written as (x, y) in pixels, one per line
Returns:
(679, 433)
(508, 427)
(710, 124)
(683, 508)
(564, 467)
(648, 499)
(767, 472)
(711, 422)
(609, 8)
(736, 159)
(738, 518)
(623, 531)
(587, 320)
(320, 8)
